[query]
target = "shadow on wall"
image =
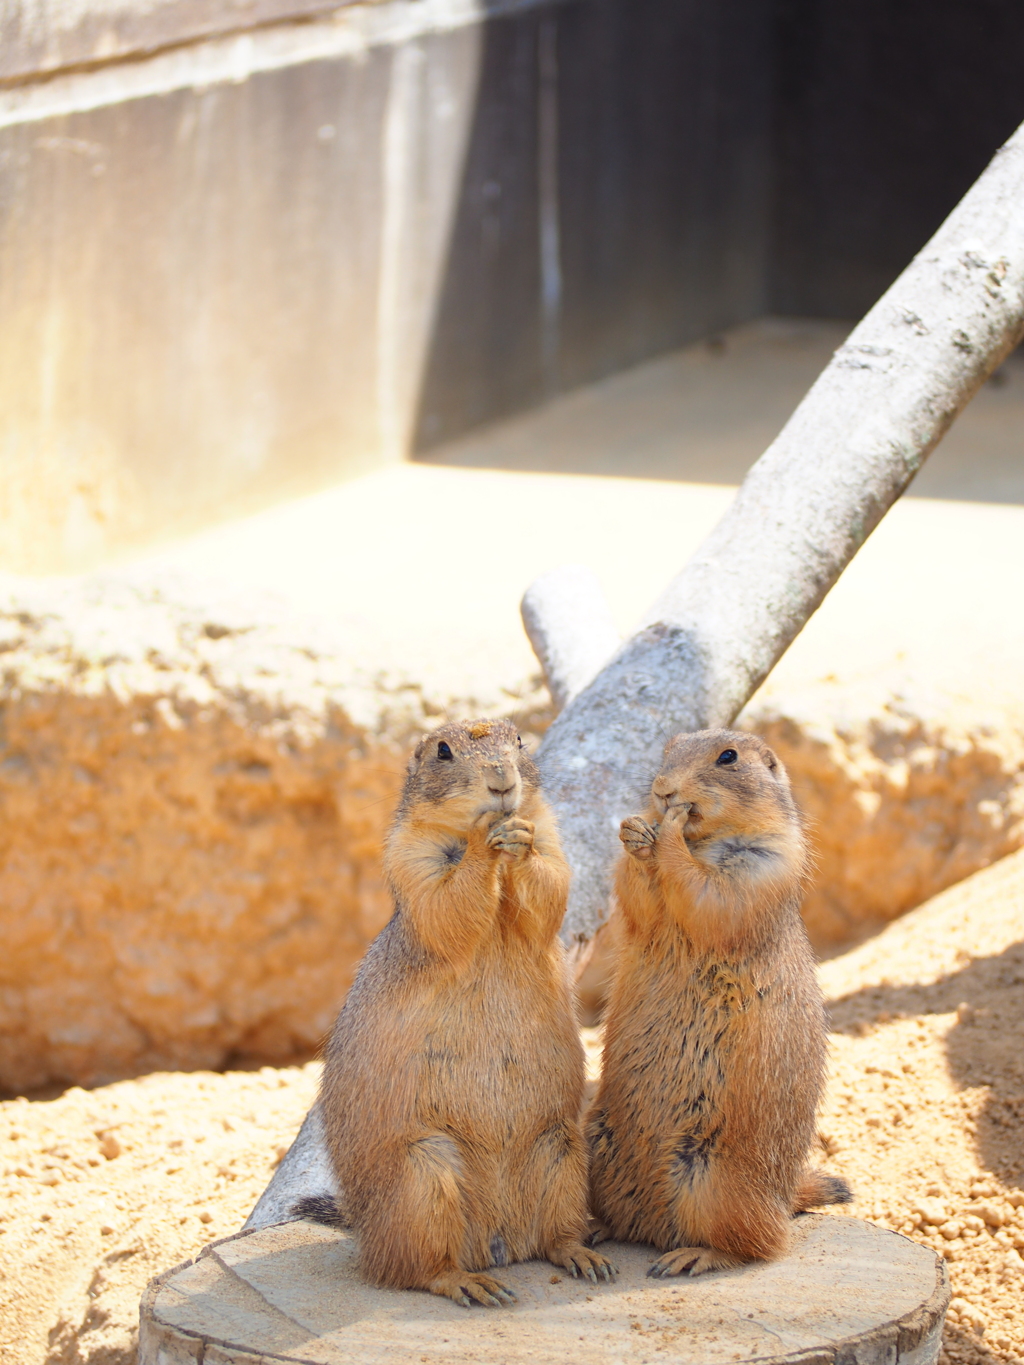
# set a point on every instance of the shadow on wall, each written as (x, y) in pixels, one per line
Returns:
(614, 201)
(638, 177)
(885, 115)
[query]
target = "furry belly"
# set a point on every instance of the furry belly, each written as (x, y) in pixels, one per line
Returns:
(497, 1100)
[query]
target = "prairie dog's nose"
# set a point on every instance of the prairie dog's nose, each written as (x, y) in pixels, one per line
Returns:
(664, 788)
(500, 779)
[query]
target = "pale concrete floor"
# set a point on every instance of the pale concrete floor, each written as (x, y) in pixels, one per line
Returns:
(424, 569)
(705, 413)
(424, 565)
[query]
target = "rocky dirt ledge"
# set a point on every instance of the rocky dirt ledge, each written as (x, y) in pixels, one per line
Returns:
(194, 787)
(193, 793)
(907, 788)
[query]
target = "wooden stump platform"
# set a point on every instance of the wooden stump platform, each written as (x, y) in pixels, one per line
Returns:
(848, 1294)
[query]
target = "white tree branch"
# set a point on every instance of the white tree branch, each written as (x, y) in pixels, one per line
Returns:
(805, 508)
(566, 616)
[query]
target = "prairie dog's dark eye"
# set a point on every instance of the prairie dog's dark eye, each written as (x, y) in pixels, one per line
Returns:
(726, 757)
(519, 740)
(443, 751)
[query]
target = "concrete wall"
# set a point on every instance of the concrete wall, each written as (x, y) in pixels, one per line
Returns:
(248, 247)
(245, 266)
(601, 123)
(218, 268)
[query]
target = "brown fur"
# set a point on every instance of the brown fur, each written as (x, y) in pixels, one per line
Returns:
(453, 1080)
(714, 1048)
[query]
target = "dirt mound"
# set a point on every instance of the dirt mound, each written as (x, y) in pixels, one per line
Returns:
(195, 786)
(907, 789)
(925, 1115)
(194, 790)
(925, 1110)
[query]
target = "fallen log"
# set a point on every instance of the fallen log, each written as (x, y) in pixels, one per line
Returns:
(805, 508)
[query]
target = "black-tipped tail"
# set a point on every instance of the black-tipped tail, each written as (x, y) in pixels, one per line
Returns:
(817, 1188)
(321, 1208)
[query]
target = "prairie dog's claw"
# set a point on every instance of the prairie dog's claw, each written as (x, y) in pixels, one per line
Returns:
(467, 1287)
(597, 1231)
(638, 837)
(582, 1263)
(691, 1260)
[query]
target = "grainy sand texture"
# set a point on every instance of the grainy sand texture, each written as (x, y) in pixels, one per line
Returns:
(102, 1189)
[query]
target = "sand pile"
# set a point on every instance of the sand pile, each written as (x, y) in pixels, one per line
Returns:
(925, 1115)
(102, 1189)
(925, 1110)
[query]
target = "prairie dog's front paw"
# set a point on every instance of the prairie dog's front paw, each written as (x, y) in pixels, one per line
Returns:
(597, 1231)
(512, 836)
(638, 837)
(679, 813)
(466, 1286)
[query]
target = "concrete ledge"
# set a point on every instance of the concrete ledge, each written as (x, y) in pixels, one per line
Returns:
(849, 1293)
(41, 36)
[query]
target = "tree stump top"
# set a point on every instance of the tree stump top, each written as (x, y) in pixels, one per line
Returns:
(848, 1293)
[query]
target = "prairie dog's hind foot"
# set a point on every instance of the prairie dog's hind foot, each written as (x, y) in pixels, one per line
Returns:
(597, 1231)
(581, 1261)
(693, 1261)
(638, 837)
(466, 1287)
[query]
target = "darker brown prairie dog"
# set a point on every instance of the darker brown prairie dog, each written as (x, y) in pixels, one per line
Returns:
(714, 1049)
(454, 1077)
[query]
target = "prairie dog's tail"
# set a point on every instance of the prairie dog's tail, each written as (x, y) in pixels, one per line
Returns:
(322, 1208)
(815, 1188)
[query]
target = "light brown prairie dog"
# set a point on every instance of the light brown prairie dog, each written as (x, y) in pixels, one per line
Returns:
(714, 1049)
(454, 1078)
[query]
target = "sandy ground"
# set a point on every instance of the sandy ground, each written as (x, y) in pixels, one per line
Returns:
(925, 1115)
(100, 1190)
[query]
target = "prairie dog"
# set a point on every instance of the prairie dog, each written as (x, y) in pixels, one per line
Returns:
(453, 1080)
(715, 1034)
